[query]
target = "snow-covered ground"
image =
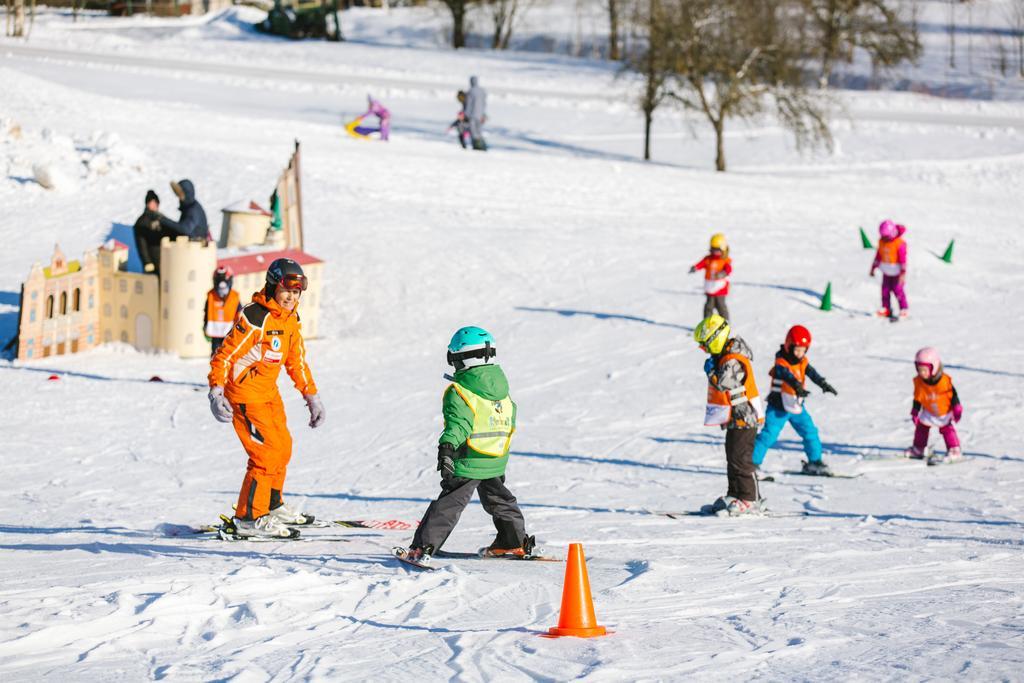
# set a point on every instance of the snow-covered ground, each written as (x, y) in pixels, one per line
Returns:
(574, 255)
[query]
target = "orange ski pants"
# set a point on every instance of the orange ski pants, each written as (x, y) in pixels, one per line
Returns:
(263, 430)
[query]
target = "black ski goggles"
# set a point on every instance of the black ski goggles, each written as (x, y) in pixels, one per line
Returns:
(456, 359)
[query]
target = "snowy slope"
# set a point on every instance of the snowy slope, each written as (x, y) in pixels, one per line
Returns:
(575, 256)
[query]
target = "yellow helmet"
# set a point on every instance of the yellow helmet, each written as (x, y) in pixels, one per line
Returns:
(718, 241)
(712, 333)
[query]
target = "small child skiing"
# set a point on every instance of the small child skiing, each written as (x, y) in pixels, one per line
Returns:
(891, 259)
(243, 390)
(734, 404)
(461, 123)
(479, 420)
(717, 267)
(936, 404)
(786, 401)
(376, 108)
(222, 305)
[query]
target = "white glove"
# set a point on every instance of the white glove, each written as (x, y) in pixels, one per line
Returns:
(219, 406)
(317, 414)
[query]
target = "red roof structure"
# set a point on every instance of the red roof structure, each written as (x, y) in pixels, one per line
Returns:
(260, 261)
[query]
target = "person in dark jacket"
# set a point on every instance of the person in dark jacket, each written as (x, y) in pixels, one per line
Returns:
(148, 234)
(476, 113)
(192, 222)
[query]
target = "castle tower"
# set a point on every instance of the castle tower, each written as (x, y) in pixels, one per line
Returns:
(186, 269)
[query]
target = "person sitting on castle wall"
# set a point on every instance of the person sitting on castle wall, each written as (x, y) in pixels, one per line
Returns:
(222, 307)
(192, 222)
(148, 234)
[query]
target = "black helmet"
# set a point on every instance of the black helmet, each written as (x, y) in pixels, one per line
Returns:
(287, 271)
(223, 274)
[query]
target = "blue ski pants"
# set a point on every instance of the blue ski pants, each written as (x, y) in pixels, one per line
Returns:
(774, 420)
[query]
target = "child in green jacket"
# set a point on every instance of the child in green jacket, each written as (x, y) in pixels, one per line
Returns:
(479, 419)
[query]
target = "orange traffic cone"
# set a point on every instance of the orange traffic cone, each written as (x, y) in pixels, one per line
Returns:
(577, 616)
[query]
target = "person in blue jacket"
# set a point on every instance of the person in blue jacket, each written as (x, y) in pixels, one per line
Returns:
(192, 222)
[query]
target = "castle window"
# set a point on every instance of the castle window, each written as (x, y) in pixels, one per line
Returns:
(92, 302)
(76, 300)
(191, 276)
(188, 338)
(106, 335)
(90, 339)
(106, 310)
(32, 315)
(165, 313)
(34, 294)
(92, 281)
(167, 286)
(124, 312)
(124, 336)
(49, 307)
(106, 283)
(123, 286)
(63, 303)
(191, 304)
(30, 353)
(138, 287)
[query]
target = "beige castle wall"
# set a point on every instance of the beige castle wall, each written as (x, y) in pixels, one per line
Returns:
(185, 271)
(130, 303)
(243, 229)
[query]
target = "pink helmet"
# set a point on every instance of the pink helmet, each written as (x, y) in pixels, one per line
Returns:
(929, 357)
(887, 229)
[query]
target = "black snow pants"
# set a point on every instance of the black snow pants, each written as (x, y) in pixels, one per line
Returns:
(714, 303)
(739, 453)
(443, 514)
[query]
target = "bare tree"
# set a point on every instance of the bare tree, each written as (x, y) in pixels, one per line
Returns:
(458, 9)
(615, 7)
(649, 56)
(739, 58)
(877, 26)
(1015, 17)
(503, 14)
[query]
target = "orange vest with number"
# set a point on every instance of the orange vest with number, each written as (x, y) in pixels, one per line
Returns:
(712, 267)
(936, 400)
(719, 406)
(221, 313)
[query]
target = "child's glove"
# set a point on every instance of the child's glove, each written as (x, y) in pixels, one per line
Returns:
(148, 268)
(801, 392)
(872, 273)
(219, 406)
(317, 414)
(693, 269)
(446, 462)
(914, 417)
(709, 367)
(958, 412)
(827, 388)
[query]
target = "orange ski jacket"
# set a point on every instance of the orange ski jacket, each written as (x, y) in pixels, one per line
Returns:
(264, 338)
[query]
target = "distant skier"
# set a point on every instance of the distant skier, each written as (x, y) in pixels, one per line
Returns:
(786, 401)
(936, 404)
(461, 123)
(479, 420)
(148, 234)
(717, 267)
(192, 222)
(243, 390)
(476, 113)
(891, 259)
(376, 108)
(222, 305)
(734, 404)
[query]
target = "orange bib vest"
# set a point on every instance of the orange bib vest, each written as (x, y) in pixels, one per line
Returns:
(790, 401)
(936, 401)
(220, 314)
(720, 402)
(713, 285)
(889, 256)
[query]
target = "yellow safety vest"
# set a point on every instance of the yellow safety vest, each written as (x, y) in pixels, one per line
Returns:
(492, 423)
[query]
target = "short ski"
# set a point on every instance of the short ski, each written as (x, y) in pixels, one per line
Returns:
(832, 475)
(709, 511)
(378, 524)
(402, 555)
(479, 555)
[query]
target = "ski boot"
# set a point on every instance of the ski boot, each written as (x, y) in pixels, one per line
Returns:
(290, 516)
(720, 505)
(817, 469)
(883, 313)
(952, 455)
(741, 508)
(525, 550)
(914, 453)
(420, 555)
(266, 526)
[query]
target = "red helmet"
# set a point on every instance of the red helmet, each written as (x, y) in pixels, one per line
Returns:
(798, 335)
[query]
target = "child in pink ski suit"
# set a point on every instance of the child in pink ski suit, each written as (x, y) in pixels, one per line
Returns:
(381, 112)
(936, 404)
(891, 259)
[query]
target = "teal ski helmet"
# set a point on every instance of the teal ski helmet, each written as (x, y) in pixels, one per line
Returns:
(470, 347)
